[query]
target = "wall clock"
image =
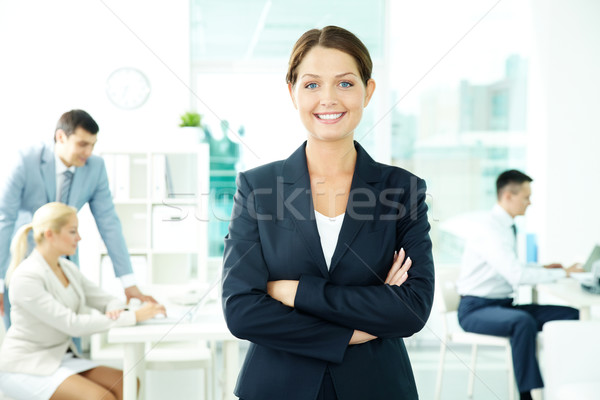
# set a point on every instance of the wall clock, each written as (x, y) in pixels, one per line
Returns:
(128, 88)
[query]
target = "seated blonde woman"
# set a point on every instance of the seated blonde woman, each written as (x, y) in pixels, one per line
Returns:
(50, 304)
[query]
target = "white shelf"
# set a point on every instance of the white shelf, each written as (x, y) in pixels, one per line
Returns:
(162, 231)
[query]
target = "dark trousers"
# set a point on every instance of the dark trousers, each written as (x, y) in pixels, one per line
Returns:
(499, 317)
(327, 390)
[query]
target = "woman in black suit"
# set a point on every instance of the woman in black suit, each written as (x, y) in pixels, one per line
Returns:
(316, 260)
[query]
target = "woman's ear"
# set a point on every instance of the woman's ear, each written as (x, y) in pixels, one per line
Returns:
(369, 89)
(48, 234)
(291, 90)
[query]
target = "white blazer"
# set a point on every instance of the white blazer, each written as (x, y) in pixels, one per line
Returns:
(42, 325)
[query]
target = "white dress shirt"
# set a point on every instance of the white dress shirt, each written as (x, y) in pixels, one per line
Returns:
(490, 267)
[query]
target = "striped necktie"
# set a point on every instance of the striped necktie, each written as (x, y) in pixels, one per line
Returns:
(66, 186)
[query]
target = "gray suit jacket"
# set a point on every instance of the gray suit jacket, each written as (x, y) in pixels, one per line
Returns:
(42, 325)
(31, 183)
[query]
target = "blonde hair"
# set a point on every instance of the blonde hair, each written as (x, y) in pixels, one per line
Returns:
(53, 216)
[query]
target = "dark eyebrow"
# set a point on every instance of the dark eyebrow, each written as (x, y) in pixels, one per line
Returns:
(344, 74)
(337, 76)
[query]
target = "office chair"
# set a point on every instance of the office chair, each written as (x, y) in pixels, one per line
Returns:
(447, 300)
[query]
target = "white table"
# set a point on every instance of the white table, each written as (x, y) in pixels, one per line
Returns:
(133, 339)
(569, 290)
(581, 391)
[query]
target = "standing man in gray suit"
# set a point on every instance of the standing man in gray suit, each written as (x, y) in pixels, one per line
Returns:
(66, 172)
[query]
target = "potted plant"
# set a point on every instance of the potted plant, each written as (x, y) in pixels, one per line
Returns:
(191, 126)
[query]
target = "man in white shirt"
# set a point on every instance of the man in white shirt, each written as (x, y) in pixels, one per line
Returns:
(490, 274)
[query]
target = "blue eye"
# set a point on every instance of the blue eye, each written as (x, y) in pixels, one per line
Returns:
(311, 86)
(345, 84)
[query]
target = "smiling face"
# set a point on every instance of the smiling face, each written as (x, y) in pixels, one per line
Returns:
(329, 94)
(65, 240)
(76, 148)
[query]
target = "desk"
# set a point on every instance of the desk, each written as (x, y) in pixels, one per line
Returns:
(133, 339)
(569, 290)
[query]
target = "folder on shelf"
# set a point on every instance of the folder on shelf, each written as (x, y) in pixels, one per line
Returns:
(181, 176)
(121, 177)
(159, 177)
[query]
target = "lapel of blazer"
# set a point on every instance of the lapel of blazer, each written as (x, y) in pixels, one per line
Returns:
(73, 281)
(78, 178)
(297, 201)
(52, 283)
(361, 202)
(48, 171)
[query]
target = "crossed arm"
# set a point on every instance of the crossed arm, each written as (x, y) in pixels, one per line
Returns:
(285, 290)
(325, 317)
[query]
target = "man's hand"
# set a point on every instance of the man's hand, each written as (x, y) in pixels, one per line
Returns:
(2, 304)
(575, 268)
(132, 292)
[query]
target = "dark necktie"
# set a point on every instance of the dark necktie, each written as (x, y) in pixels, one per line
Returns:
(66, 186)
(514, 230)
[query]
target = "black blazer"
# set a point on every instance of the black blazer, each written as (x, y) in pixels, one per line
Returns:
(273, 236)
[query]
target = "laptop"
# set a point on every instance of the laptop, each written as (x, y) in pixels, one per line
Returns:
(589, 280)
(594, 256)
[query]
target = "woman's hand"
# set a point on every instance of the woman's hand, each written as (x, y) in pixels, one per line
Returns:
(399, 271)
(149, 310)
(113, 314)
(284, 291)
(575, 268)
(359, 337)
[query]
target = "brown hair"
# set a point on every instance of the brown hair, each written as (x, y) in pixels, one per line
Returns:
(331, 37)
(74, 119)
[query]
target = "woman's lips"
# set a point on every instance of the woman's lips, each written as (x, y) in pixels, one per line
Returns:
(329, 118)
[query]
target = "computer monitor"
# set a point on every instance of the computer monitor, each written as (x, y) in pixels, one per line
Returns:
(594, 256)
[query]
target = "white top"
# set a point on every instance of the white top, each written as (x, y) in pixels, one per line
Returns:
(490, 266)
(329, 231)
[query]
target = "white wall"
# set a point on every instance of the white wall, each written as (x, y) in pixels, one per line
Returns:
(565, 128)
(57, 55)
